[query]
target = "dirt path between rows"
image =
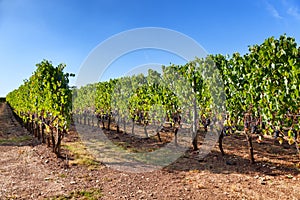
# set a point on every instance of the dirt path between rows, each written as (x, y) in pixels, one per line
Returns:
(31, 171)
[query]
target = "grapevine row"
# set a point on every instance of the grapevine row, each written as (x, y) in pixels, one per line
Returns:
(44, 103)
(260, 91)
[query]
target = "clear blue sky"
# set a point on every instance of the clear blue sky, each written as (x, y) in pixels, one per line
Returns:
(65, 31)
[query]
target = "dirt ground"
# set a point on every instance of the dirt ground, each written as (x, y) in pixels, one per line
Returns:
(29, 170)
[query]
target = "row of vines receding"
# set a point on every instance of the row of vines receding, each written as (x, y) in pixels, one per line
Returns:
(259, 90)
(43, 104)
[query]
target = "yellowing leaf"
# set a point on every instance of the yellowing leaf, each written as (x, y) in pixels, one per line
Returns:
(291, 141)
(48, 129)
(280, 140)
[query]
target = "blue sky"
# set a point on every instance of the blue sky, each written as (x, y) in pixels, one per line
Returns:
(66, 31)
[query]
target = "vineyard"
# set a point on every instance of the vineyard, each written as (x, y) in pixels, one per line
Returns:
(242, 100)
(259, 90)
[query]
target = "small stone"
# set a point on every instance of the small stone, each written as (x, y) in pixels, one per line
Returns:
(139, 191)
(228, 162)
(263, 182)
(72, 182)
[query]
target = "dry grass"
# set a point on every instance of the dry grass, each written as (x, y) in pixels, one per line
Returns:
(19, 139)
(91, 194)
(80, 155)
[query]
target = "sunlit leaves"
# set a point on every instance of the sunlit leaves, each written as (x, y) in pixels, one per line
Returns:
(265, 81)
(46, 94)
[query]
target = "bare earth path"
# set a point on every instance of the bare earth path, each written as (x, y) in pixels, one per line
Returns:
(30, 171)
